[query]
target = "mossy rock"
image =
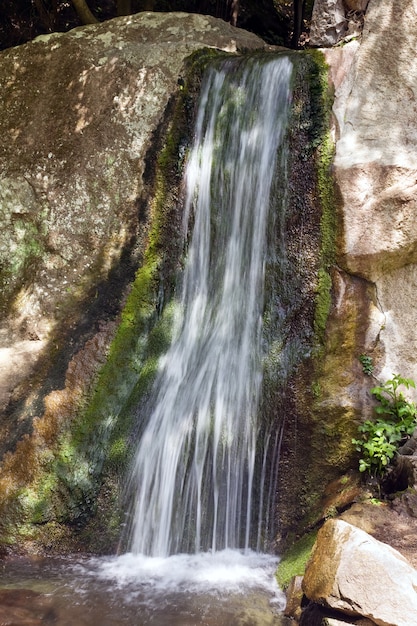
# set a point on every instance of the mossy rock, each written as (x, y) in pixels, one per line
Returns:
(294, 560)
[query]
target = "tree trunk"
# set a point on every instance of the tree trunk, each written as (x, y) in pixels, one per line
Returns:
(44, 15)
(234, 12)
(84, 12)
(298, 7)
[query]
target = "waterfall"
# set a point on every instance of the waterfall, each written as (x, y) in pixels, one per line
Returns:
(195, 471)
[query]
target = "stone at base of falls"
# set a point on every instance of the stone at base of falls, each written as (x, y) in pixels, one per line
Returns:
(294, 595)
(351, 572)
(25, 608)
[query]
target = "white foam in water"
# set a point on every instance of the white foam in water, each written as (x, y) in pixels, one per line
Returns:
(226, 571)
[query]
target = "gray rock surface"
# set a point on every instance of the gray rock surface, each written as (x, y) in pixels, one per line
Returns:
(336, 20)
(328, 23)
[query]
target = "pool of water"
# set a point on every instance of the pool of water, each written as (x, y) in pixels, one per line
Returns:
(222, 589)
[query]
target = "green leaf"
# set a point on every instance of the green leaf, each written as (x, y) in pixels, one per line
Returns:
(363, 466)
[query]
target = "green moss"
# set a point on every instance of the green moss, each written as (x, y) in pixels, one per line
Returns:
(328, 201)
(27, 246)
(316, 389)
(323, 304)
(40, 501)
(322, 99)
(118, 451)
(295, 559)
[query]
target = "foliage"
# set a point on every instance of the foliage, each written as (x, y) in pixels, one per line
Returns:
(392, 401)
(367, 365)
(395, 422)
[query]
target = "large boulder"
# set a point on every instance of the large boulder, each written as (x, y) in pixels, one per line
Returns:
(352, 572)
(376, 172)
(79, 114)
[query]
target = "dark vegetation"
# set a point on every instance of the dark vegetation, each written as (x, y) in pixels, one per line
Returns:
(278, 22)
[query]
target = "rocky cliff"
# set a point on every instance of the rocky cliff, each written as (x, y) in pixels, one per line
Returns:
(375, 168)
(375, 171)
(90, 124)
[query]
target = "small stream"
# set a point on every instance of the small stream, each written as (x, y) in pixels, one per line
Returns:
(226, 588)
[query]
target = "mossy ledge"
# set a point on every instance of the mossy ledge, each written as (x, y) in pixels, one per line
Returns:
(295, 559)
(322, 100)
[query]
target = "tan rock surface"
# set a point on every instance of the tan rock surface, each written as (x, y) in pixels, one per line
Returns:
(394, 524)
(376, 171)
(352, 572)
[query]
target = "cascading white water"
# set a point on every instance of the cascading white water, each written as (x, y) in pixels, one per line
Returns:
(194, 470)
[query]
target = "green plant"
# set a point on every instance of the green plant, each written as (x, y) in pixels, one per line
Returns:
(375, 501)
(394, 404)
(367, 365)
(396, 421)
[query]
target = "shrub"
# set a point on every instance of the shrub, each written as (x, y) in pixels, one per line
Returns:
(395, 422)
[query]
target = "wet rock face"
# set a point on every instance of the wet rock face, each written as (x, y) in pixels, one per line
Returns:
(374, 285)
(79, 111)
